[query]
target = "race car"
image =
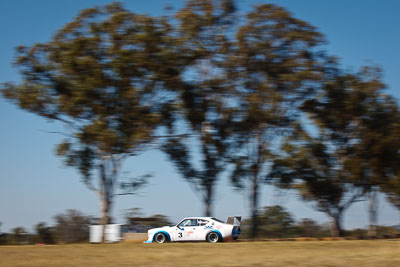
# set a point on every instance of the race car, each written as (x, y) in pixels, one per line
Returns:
(197, 229)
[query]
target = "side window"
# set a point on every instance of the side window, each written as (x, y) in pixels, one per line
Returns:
(202, 222)
(188, 222)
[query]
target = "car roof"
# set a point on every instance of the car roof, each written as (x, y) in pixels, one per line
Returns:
(209, 218)
(203, 218)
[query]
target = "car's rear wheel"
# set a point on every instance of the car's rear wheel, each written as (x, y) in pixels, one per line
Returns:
(160, 238)
(213, 237)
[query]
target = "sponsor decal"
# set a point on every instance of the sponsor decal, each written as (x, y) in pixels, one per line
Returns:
(188, 233)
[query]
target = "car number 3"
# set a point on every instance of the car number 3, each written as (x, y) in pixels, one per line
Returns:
(179, 235)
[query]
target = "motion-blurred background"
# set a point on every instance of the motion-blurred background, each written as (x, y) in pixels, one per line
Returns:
(283, 112)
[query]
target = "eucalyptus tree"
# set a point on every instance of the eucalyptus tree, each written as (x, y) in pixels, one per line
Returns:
(353, 150)
(205, 111)
(358, 111)
(317, 170)
(276, 65)
(102, 76)
(379, 144)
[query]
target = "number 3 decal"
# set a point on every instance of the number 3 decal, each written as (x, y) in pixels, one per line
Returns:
(179, 234)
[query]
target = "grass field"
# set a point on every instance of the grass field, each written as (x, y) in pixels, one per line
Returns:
(299, 253)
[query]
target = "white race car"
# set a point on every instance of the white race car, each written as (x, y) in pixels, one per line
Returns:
(197, 229)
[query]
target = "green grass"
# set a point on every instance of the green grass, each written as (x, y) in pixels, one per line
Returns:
(299, 253)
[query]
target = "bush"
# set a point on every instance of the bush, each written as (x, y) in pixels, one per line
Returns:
(72, 227)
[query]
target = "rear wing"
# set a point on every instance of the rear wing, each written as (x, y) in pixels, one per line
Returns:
(235, 220)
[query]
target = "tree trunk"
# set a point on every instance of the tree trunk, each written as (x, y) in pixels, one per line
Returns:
(254, 208)
(105, 199)
(373, 212)
(336, 226)
(208, 201)
(105, 209)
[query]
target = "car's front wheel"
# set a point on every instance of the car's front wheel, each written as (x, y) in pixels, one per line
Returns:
(213, 237)
(160, 238)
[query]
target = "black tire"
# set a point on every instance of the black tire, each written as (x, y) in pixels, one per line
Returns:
(213, 237)
(160, 238)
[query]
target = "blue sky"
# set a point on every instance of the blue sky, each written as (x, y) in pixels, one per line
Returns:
(34, 185)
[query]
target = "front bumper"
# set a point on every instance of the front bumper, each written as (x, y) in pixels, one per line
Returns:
(150, 238)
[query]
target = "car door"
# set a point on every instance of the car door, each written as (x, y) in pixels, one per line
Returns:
(203, 228)
(186, 230)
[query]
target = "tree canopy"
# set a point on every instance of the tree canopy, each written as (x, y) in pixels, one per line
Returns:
(98, 76)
